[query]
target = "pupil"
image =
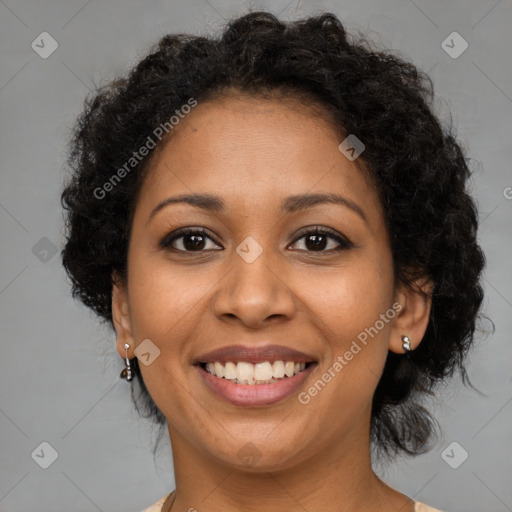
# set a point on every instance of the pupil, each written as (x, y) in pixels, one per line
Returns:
(318, 242)
(197, 242)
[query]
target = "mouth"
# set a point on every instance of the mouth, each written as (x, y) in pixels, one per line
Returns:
(254, 376)
(250, 374)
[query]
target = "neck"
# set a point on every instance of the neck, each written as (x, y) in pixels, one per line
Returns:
(338, 478)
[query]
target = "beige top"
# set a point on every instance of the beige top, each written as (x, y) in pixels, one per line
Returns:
(157, 507)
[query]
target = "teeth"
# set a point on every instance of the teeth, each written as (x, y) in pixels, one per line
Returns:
(259, 373)
(245, 373)
(219, 370)
(229, 371)
(289, 369)
(278, 370)
(262, 371)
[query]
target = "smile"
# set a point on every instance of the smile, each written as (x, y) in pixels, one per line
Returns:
(255, 374)
(243, 385)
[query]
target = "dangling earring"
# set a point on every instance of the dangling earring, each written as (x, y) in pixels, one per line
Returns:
(406, 343)
(127, 372)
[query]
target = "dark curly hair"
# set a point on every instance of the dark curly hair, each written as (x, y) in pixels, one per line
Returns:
(415, 164)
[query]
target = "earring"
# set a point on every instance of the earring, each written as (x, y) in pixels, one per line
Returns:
(406, 343)
(127, 372)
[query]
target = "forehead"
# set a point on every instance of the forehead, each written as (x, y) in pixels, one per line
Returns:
(253, 151)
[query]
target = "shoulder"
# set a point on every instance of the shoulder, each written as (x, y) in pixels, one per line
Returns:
(421, 507)
(157, 507)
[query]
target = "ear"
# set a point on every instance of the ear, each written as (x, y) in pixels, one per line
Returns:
(121, 317)
(412, 319)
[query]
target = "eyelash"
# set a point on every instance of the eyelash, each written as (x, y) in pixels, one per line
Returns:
(180, 233)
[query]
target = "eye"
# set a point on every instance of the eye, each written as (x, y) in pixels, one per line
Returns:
(196, 240)
(321, 240)
(187, 240)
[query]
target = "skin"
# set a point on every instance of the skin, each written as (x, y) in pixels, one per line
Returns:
(254, 153)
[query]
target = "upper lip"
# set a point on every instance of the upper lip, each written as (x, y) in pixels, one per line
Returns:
(253, 354)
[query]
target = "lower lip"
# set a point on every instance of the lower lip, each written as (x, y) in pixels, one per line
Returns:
(256, 394)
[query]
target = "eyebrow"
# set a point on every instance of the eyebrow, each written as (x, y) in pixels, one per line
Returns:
(291, 204)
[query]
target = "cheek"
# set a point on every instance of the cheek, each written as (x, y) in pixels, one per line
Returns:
(162, 298)
(164, 304)
(354, 313)
(352, 299)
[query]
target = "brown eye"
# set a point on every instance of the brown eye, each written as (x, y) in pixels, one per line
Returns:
(188, 240)
(323, 240)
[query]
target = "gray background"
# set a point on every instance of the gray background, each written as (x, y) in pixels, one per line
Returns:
(59, 369)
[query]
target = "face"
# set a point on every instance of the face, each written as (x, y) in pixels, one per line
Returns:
(262, 275)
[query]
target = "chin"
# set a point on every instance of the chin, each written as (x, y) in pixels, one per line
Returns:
(258, 455)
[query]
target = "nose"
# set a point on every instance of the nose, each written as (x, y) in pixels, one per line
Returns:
(254, 294)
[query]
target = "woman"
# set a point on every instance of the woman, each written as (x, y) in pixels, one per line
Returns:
(277, 227)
